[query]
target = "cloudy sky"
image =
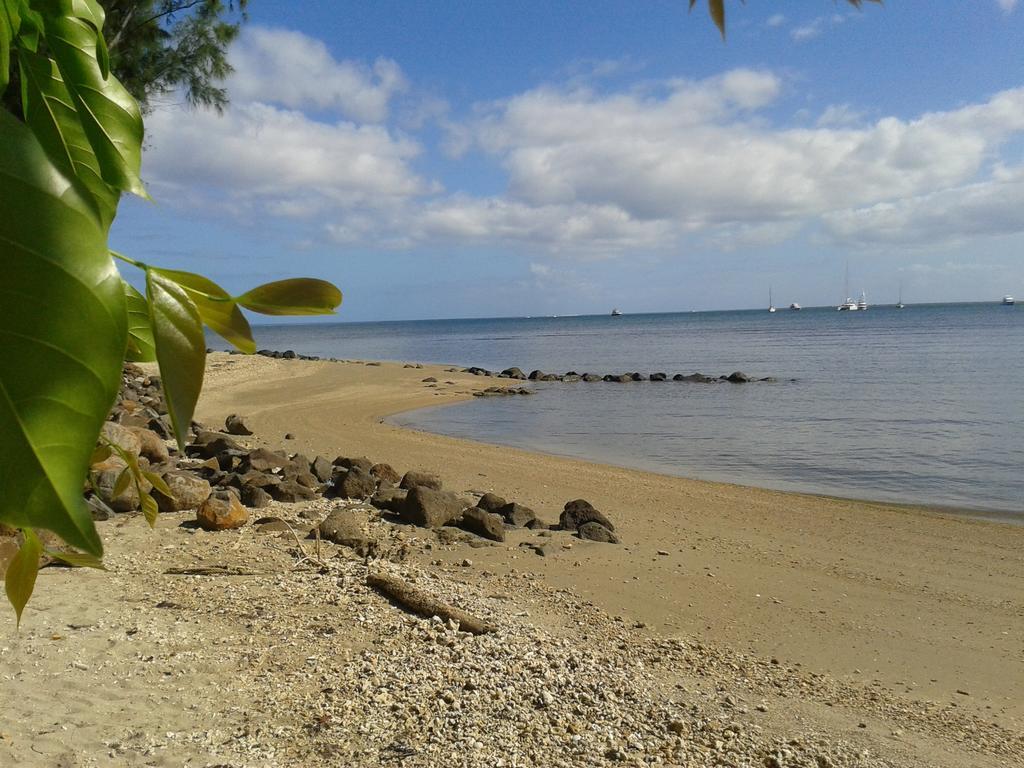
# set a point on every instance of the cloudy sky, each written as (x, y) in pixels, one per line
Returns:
(485, 158)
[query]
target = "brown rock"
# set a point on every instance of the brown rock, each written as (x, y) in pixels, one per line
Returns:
(414, 478)
(151, 445)
(347, 527)
(254, 497)
(391, 499)
(483, 523)
(189, 491)
(596, 532)
(322, 468)
(431, 508)
(222, 512)
(123, 437)
(580, 511)
(355, 484)
(290, 491)
(104, 480)
(361, 462)
(517, 514)
(386, 474)
(236, 425)
(264, 460)
(491, 502)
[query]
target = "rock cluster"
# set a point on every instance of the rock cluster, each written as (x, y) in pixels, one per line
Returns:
(736, 377)
(220, 477)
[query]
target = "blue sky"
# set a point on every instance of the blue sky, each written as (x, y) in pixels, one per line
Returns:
(485, 158)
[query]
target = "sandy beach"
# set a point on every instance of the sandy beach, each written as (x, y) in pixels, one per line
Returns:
(897, 632)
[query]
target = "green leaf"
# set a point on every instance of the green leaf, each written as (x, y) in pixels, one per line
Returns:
(20, 579)
(158, 483)
(9, 23)
(296, 296)
(150, 509)
(76, 559)
(216, 308)
(123, 481)
(62, 339)
(141, 348)
(51, 114)
(110, 117)
(180, 348)
(102, 453)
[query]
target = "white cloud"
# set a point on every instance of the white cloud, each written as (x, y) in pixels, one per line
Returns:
(1007, 5)
(256, 155)
(279, 66)
(776, 20)
(698, 156)
(946, 217)
(816, 27)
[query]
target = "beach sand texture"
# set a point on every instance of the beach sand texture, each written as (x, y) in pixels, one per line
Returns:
(897, 630)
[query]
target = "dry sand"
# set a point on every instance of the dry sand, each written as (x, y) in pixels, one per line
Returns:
(897, 630)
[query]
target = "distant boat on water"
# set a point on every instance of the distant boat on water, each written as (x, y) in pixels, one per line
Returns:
(1008, 301)
(771, 304)
(616, 312)
(862, 303)
(849, 305)
(794, 305)
(899, 301)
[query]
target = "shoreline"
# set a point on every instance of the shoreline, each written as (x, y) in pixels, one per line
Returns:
(742, 561)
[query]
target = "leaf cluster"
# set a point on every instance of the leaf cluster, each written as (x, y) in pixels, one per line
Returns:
(67, 153)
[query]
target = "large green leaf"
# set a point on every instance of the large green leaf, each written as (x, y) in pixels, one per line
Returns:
(50, 113)
(296, 296)
(9, 23)
(180, 348)
(20, 579)
(110, 117)
(216, 308)
(141, 348)
(62, 340)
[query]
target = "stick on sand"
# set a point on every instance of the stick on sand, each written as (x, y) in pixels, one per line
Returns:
(423, 603)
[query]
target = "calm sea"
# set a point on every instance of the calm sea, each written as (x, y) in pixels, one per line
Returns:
(920, 405)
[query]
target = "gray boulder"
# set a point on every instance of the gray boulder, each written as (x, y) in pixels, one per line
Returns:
(189, 491)
(355, 484)
(431, 508)
(236, 425)
(517, 515)
(580, 511)
(491, 502)
(483, 523)
(596, 532)
(414, 478)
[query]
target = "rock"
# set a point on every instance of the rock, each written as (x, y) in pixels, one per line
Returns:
(361, 462)
(123, 437)
(738, 377)
(189, 491)
(513, 373)
(490, 502)
(302, 477)
(258, 479)
(637, 377)
(590, 377)
(391, 499)
(580, 511)
(659, 377)
(535, 374)
(151, 445)
(255, 497)
(322, 469)
(386, 474)
(621, 378)
(517, 515)
(104, 479)
(347, 527)
(213, 447)
(235, 424)
(414, 478)
(355, 484)
(264, 460)
(289, 435)
(483, 523)
(429, 380)
(596, 532)
(222, 511)
(290, 491)
(431, 508)
(448, 536)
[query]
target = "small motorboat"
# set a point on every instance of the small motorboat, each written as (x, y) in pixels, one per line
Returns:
(862, 303)
(616, 312)
(848, 306)
(1008, 301)
(794, 305)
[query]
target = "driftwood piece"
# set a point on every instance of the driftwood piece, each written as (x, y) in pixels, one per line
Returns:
(216, 570)
(423, 603)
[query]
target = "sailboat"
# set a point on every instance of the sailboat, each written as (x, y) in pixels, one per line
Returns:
(899, 301)
(850, 305)
(771, 304)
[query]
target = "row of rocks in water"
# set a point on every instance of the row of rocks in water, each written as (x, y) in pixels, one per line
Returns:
(222, 479)
(736, 377)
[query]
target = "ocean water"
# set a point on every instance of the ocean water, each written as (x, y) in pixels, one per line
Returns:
(920, 405)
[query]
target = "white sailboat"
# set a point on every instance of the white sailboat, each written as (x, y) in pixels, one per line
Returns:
(899, 301)
(849, 305)
(862, 303)
(771, 304)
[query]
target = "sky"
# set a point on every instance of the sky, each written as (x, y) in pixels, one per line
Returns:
(487, 158)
